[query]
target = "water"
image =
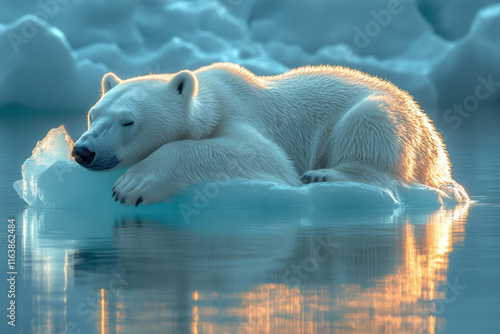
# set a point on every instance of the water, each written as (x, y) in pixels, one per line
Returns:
(245, 271)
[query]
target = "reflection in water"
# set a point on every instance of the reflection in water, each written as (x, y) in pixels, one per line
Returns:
(402, 302)
(129, 275)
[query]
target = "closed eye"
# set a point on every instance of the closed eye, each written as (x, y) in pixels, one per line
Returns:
(128, 123)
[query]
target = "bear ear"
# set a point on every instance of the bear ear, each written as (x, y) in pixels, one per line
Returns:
(109, 80)
(185, 84)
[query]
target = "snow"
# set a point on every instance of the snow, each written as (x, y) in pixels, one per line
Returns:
(52, 179)
(54, 52)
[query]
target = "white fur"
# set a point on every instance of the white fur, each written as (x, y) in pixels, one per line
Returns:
(319, 123)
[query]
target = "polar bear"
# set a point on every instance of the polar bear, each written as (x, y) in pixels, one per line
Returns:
(311, 124)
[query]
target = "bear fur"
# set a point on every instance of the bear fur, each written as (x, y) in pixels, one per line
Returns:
(311, 124)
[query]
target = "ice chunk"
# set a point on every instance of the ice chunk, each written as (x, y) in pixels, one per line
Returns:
(56, 146)
(52, 179)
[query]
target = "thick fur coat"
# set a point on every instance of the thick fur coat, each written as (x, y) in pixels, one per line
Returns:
(311, 124)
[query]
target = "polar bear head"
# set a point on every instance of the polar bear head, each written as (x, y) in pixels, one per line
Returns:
(134, 118)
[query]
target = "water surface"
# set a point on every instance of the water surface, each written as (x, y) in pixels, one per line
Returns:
(250, 271)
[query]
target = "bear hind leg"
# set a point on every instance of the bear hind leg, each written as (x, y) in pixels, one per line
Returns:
(349, 171)
(365, 146)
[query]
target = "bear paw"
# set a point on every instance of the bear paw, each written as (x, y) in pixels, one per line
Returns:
(137, 186)
(321, 175)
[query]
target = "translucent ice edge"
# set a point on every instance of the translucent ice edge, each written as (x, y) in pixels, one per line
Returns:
(51, 179)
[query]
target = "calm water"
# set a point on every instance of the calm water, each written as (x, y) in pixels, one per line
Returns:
(302, 271)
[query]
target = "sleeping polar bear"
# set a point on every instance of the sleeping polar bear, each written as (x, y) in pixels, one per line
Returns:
(311, 124)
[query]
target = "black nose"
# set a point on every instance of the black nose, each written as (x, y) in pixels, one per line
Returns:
(83, 156)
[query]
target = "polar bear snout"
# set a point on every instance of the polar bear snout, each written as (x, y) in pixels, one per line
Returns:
(82, 155)
(89, 159)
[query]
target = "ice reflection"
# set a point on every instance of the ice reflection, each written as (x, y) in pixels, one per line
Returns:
(241, 272)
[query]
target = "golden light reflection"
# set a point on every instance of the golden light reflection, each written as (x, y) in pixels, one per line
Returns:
(194, 325)
(65, 273)
(195, 316)
(120, 312)
(399, 302)
(103, 313)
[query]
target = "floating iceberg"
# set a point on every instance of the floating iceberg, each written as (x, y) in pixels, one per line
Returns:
(51, 179)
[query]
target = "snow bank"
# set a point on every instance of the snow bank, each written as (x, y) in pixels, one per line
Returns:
(54, 52)
(39, 70)
(51, 179)
(451, 19)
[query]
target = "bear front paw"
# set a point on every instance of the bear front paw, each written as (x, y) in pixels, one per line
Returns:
(136, 187)
(130, 189)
